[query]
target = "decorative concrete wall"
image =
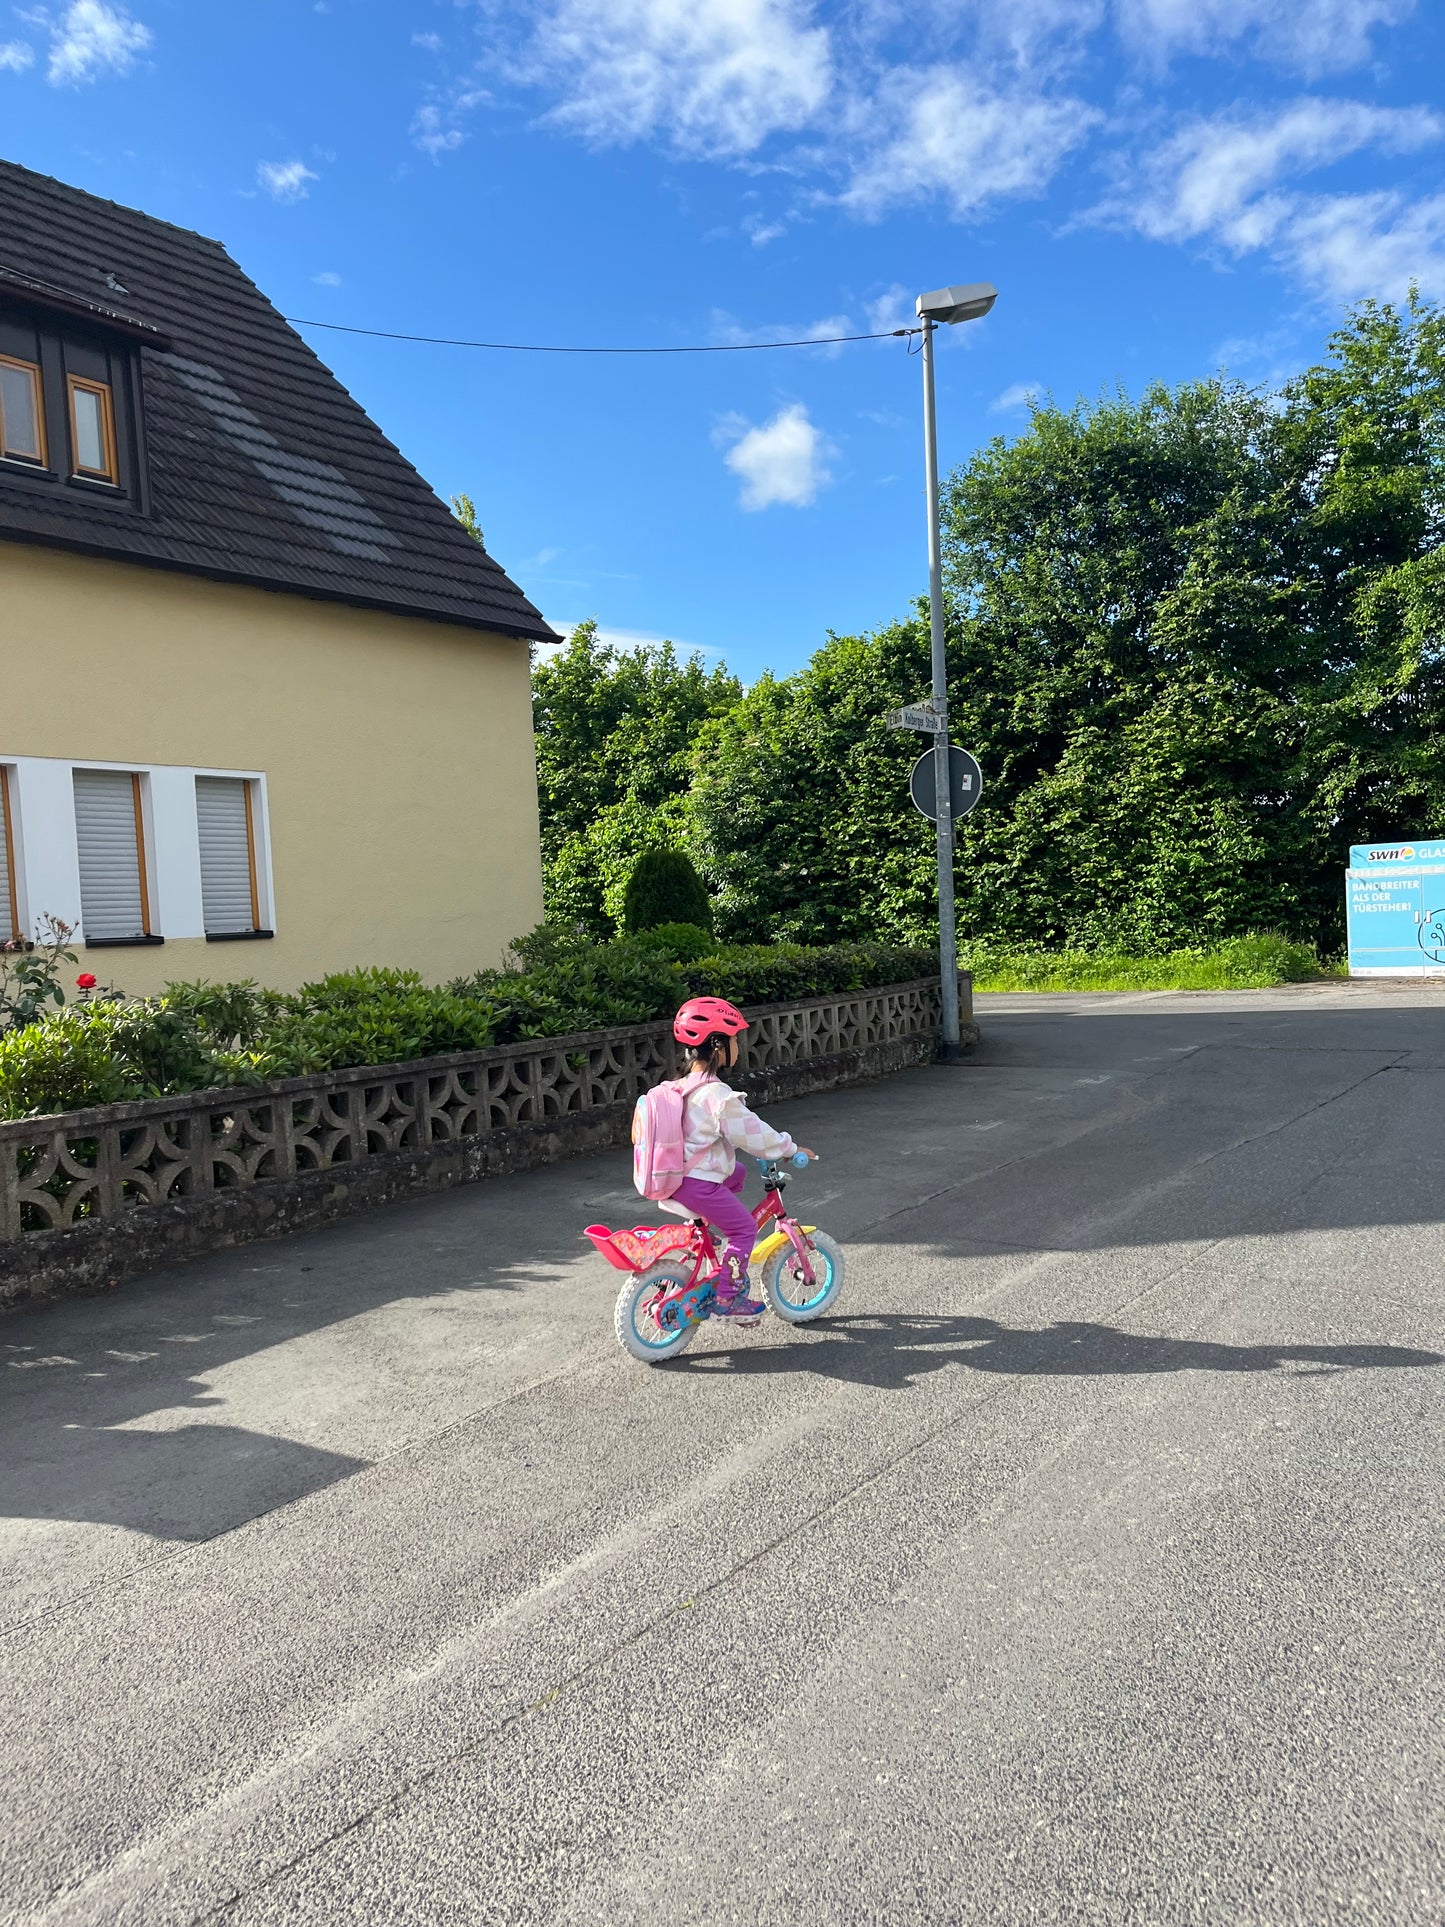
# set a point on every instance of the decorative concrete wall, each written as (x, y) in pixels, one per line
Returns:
(93, 1196)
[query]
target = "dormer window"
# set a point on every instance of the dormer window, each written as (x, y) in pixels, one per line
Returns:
(70, 402)
(92, 430)
(22, 412)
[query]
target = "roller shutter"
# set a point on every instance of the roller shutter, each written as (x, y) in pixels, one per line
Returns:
(112, 875)
(227, 857)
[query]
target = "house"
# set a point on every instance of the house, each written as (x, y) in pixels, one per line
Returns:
(258, 687)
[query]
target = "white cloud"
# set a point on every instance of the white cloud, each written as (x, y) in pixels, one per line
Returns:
(15, 56)
(876, 104)
(91, 38)
(1308, 36)
(285, 180)
(1225, 182)
(430, 42)
(327, 279)
(1016, 397)
(1035, 34)
(624, 639)
(436, 127)
(894, 308)
(946, 133)
(784, 460)
(727, 333)
(712, 77)
(1347, 246)
(430, 133)
(1219, 177)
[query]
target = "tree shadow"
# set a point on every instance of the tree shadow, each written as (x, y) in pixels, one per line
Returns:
(185, 1484)
(82, 1377)
(892, 1352)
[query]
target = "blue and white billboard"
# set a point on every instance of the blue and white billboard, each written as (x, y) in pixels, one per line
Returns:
(1395, 909)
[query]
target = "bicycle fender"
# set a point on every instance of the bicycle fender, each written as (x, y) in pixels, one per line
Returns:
(762, 1252)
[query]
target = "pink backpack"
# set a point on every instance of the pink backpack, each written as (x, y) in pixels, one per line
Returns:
(659, 1156)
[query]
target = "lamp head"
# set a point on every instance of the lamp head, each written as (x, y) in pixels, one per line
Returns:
(969, 303)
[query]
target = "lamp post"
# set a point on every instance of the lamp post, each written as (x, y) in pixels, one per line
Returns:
(943, 306)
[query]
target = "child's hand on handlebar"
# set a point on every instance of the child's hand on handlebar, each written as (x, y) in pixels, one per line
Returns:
(804, 1152)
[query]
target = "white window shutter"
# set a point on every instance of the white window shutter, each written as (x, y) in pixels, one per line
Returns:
(7, 858)
(226, 855)
(111, 897)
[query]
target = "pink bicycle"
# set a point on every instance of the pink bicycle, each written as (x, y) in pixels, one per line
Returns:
(667, 1297)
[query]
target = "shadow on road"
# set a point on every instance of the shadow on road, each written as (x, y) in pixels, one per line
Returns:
(80, 1379)
(891, 1353)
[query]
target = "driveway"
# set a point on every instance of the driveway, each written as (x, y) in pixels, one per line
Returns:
(1087, 1567)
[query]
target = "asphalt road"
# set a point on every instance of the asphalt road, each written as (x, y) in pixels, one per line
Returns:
(1086, 1568)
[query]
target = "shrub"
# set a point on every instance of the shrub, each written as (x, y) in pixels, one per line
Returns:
(30, 973)
(768, 973)
(557, 982)
(370, 1017)
(66, 1061)
(665, 888)
(683, 942)
(575, 985)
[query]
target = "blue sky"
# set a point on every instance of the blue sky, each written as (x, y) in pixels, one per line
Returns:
(1158, 187)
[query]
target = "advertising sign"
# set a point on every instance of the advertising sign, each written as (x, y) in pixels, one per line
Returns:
(1395, 909)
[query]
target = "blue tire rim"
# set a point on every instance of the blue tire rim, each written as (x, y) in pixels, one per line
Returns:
(822, 1276)
(648, 1332)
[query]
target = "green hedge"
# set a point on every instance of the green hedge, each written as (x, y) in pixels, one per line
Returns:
(1242, 963)
(201, 1036)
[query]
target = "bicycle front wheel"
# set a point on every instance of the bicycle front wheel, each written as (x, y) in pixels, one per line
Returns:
(788, 1291)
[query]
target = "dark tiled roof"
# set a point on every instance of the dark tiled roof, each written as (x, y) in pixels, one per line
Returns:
(261, 467)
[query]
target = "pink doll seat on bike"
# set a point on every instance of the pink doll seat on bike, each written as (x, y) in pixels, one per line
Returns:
(635, 1250)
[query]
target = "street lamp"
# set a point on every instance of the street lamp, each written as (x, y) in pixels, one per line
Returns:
(944, 305)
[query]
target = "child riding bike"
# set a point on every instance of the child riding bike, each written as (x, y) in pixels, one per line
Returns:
(717, 1124)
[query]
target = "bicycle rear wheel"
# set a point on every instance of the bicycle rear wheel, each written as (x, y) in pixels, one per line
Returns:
(640, 1332)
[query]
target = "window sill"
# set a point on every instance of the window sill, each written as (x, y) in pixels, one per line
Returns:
(18, 465)
(238, 936)
(117, 943)
(94, 484)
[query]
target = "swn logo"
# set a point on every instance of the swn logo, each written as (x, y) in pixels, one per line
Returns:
(1386, 856)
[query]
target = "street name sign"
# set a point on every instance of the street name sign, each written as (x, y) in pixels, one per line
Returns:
(965, 787)
(914, 716)
(1395, 909)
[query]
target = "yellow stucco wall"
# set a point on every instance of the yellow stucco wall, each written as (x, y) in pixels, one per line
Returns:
(397, 754)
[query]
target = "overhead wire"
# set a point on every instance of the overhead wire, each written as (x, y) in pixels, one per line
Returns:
(538, 348)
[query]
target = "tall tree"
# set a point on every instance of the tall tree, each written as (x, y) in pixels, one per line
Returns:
(615, 733)
(1196, 639)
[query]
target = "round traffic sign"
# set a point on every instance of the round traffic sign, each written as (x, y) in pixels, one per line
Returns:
(965, 788)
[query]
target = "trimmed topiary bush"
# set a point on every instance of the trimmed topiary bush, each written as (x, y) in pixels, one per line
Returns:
(665, 888)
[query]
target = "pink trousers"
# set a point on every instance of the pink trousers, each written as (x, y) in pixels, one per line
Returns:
(722, 1206)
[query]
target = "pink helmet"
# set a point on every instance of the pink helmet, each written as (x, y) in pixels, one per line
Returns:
(704, 1017)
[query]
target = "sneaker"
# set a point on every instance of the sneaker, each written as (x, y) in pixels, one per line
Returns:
(732, 1301)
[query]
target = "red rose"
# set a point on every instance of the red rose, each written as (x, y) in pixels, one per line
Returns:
(86, 980)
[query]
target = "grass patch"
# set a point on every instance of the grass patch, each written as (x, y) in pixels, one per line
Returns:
(1244, 963)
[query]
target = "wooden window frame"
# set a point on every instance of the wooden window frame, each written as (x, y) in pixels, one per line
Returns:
(248, 788)
(84, 383)
(37, 390)
(140, 853)
(12, 888)
(250, 791)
